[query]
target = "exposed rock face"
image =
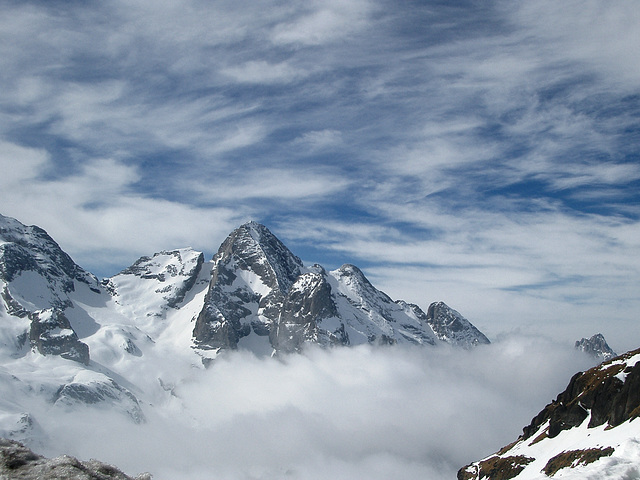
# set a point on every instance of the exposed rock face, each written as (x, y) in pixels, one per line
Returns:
(602, 404)
(51, 334)
(90, 388)
(307, 303)
(608, 393)
(36, 278)
(452, 327)
(25, 250)
(12, 306)
(259, 287)
(596, 347)
(18, 462)
(252, 274)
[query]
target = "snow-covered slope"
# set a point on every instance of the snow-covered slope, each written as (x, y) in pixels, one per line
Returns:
(590, 431)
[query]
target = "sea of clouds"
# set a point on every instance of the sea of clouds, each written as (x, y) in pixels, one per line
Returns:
(344, 413)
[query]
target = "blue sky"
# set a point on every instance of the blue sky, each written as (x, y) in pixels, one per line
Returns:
(480, 153)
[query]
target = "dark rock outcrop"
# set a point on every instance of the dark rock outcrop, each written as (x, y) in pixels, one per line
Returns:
(608, 395)
(51, 334)
(19, 462)
(599, 390)
(307, 303)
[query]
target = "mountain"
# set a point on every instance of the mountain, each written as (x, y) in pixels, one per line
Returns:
(42, 275)
(262, 297)
(451, 327)
(596, 347)
(590, 431)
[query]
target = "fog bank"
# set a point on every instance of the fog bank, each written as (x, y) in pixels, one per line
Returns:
(363, 412)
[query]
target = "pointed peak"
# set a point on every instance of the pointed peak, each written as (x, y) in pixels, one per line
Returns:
(350, 268)
(260, 250)
(450, 326)
(596, 346)
(254, 230)
(252, 225)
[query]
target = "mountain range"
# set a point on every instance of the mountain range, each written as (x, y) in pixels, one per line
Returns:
(254, 294)
(69, 341)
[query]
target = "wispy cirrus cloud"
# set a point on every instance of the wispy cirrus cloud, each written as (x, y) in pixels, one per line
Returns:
(493, 143)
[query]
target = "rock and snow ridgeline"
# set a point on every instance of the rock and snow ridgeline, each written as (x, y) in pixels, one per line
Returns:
(260, 289)
(591, 430)
(257, 288)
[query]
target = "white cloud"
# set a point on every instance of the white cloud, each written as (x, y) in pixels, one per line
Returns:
(324, 22)
(19, 164)
(263, 72)
(602, 35)
(344, 413)
(268, 183)
(320, 139)
(96, 216)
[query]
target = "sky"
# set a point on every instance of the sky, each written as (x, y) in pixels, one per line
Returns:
(482, 153)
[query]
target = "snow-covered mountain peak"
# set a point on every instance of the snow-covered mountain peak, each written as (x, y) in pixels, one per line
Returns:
(37, 272)
(259, 288)
(253, 247)
(450, 326)
(597, 347)
(167, 276)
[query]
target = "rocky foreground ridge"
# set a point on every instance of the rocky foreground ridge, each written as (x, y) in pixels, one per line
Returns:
(591, 430)
(20, 463)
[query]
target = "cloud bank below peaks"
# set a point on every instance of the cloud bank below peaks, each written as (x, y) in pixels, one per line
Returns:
(346, 413)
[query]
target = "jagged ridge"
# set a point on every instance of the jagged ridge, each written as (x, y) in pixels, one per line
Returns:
(260, 288)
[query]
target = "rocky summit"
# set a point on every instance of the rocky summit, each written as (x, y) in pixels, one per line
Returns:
(261, 294)
(597, 347)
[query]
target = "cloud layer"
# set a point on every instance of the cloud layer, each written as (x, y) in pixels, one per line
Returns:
(489, 151)
(345, 413)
